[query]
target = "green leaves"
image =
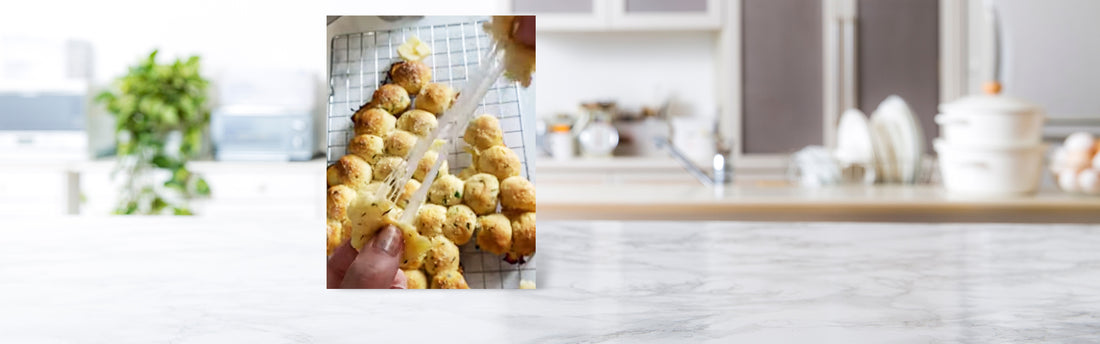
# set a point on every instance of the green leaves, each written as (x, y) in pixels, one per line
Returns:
(149, 103)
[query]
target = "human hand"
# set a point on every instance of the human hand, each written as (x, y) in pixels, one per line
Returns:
(525, 31)
(376, 267)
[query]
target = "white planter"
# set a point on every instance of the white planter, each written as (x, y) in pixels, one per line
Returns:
(981, 170)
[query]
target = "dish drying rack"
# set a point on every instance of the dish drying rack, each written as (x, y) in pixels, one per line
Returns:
(360, 62)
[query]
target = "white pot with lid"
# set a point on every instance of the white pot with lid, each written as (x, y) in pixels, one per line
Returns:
(991, 121)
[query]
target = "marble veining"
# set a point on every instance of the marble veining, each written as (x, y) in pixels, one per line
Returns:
(207, 280)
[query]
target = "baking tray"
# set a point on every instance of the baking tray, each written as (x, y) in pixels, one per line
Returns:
(359, 63)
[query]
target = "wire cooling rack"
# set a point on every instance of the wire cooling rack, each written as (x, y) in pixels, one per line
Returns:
(360, 62)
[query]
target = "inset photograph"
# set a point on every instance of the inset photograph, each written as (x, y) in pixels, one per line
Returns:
(430, 148)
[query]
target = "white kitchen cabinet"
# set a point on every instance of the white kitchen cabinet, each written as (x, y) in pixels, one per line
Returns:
(36, 190)
(621, 15)
(238, 189)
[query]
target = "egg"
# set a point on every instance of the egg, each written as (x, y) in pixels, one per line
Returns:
(1079, 141)
(1089, 181)
(1077, 160)
(1067, 180)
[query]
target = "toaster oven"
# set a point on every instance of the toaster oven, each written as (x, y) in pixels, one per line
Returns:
(253, 133)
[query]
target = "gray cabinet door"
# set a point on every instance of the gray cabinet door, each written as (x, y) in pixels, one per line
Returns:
(664, 6)
(555, 6)
(782, 107)
(898, 53)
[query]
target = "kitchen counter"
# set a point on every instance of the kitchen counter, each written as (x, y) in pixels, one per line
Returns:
(190, 280)
(782, 202)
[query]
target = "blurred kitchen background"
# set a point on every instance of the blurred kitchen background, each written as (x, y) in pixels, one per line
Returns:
(751, 95)
(266, 95)
(704, 101)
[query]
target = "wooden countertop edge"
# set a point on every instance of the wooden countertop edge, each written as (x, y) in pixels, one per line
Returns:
(843, 212)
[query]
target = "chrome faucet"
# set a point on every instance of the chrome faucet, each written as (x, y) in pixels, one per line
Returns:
(721, 170)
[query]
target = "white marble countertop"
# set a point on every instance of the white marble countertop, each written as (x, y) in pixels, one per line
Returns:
(201, 280)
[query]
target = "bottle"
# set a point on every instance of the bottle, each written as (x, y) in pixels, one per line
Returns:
(561, 142)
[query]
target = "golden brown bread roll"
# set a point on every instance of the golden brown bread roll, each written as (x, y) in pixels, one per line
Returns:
(460, 224)
(411, 75)
(415, 279)
(494, 234)
(386, 165)
(481, 192)
(390, 97)
(367, 146)
(467, 172)
(442, 256)
(499, 161)
(449, 279)
(352, 171)
(339, 197)
(446, 190)
(435, 98)
(335, 233)
(399, 143)
(517, 193)
(406, 194)
(484, 132)
(523, 235)
(418, 122)
(425, 166)
(429, 220)
(373, 121)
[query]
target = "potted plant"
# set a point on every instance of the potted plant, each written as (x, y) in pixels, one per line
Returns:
(161, 113)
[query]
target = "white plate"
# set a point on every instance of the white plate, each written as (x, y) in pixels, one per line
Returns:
(853, 139)
(885, 162)
(905, 137)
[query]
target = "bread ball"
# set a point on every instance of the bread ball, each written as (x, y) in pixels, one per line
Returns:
(335, 233)
(429, 220)
(367, 146)
(484, 132)
(373, 121)
(332, 176)
(446, 190)
(494, 234)
(418, 122)
(460, 224)
(337, 202)
(449, 279)
(400, 143)
(390, 97)
(467, 172)
(406, 194)
(425, 166)
(523, 235)
(416, 249)
(499, 161)
(366, 215)
(442, 256)
(387, 165)
(435, 98)
(415, 279)
(411, 75)
(517, 193)
(481, 192)
(350, 170)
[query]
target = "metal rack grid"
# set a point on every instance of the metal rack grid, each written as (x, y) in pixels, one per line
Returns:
(360, 63)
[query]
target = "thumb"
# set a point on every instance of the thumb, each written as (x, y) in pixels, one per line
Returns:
(377, 264)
